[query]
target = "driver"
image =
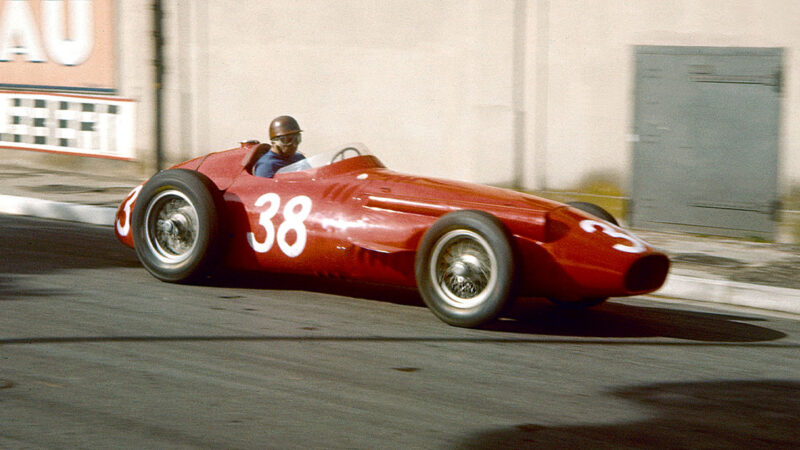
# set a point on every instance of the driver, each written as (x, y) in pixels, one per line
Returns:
(285, 137)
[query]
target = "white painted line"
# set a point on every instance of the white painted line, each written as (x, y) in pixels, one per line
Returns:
(47, 209)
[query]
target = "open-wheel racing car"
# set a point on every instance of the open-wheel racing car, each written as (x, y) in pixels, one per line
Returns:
(469, 249)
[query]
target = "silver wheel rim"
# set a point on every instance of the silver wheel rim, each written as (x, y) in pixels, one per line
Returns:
(171, 226)
(463, 268)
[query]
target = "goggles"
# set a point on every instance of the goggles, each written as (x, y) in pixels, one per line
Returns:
(289, 139)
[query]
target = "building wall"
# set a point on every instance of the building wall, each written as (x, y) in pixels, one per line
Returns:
(591, 73)
(536, 94)
(425, 85)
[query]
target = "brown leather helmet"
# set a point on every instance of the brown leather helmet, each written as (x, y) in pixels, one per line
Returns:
(282, 126)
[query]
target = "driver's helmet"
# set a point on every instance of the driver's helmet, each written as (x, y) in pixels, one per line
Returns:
(283, 126)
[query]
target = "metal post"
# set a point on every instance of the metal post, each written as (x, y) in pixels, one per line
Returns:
(158, 63)
(518, 78)
(542, 86)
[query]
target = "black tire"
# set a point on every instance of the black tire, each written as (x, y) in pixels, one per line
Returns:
(176, 230)
(594, 210)
(465, 268)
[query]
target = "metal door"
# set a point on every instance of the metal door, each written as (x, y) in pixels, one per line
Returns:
(705, 156)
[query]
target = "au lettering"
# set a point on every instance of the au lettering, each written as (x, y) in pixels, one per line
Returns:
(19, 35)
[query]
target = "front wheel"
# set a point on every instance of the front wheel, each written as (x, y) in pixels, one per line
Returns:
(175, 223)
(465, 268)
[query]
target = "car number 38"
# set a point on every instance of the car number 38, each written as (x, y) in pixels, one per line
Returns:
(295, 212)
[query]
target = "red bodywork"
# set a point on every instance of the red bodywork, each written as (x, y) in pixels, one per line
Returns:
(364, 222)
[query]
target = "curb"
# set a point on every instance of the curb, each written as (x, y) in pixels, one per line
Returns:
(47, 209)
(727, 292)
(678, 287)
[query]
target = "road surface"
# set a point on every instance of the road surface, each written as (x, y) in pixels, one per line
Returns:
(96, 353)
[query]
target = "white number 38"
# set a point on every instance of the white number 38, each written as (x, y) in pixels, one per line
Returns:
(292, 220)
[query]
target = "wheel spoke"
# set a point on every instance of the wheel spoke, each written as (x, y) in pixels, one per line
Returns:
(464, 268)
(172, 226)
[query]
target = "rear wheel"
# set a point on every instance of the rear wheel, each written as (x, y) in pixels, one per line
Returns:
(594, 210)
(465, 268)
(175, 223)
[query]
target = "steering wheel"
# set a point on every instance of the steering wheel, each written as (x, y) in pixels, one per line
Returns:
(340, 154)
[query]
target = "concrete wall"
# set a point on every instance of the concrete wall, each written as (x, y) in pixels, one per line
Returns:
(517, 92)
(425, 84)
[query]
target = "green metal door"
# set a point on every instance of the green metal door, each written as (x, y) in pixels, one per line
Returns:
(705, 156)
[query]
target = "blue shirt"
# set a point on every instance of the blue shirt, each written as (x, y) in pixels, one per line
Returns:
(270, 162)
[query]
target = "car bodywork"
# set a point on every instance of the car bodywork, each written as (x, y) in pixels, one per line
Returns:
(355, 219)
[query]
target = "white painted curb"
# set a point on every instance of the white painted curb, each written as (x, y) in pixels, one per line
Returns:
(731, 293)
(47, 209)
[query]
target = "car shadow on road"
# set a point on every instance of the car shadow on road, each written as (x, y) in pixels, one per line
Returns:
(37, 246)
(621, 320)
(533, 316)
(289, 282)
(724, 414)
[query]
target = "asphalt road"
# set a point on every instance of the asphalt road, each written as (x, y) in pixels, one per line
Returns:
(95, 353)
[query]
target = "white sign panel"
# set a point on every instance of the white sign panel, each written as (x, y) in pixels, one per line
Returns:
(78, 124)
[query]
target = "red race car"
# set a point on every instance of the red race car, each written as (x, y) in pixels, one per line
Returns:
(469, 249)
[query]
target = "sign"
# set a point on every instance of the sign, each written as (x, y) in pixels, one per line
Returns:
(64, 45)
(79, 124)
